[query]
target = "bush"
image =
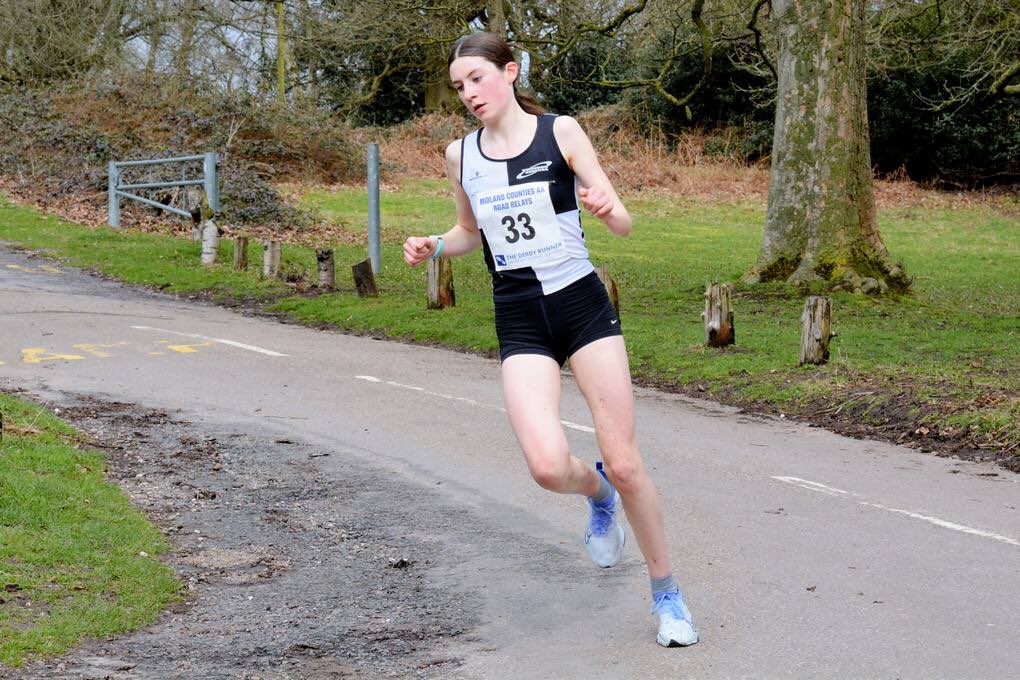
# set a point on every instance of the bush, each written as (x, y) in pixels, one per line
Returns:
(59, 142)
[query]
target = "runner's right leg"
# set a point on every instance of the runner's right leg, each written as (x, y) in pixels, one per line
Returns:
(531, 387)
(531, 390)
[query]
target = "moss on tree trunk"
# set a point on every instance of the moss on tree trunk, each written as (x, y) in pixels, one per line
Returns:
(820, 225)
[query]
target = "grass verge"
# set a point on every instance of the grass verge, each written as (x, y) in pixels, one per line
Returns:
(936, 369)
(76, 559)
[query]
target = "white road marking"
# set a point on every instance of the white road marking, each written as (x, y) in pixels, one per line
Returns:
(472, 402)
(232, 343)
(945, 524)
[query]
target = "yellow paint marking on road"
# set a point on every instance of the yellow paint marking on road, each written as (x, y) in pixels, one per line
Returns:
(36, 270)
(97, 350)
(185, 348)
(37, 355)
(155, 354)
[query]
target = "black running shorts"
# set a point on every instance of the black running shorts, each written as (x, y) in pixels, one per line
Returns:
(559, 324)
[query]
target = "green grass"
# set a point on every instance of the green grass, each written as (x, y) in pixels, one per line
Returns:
(952, 347)
(71, 544)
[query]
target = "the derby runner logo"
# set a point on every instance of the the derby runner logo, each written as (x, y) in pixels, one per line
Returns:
(542, 166)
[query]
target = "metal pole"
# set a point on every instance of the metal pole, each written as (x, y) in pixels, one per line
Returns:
(373, 207)
(113, 200)
(210, 161)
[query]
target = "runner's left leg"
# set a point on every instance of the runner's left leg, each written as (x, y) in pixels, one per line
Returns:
(602, 372)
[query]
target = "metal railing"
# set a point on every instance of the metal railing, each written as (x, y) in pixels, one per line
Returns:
(210, 183)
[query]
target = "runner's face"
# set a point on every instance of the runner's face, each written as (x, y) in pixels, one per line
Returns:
(484, 88)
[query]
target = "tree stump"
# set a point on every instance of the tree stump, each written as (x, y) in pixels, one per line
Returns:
(364, 279)
(210, 242)
(441, 293)
(327, 268)
(718, 317)
(272, 252)
(817, 330)
(241, 253)
(607, 281)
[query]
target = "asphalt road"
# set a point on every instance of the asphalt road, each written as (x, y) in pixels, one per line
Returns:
(803, 553)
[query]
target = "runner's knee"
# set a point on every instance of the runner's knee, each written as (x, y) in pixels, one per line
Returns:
(627, 476)
(551, 472)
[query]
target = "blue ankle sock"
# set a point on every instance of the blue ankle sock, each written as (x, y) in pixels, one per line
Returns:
(605, 492)
(666, 583)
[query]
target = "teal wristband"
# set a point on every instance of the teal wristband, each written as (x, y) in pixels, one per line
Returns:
(440, 244)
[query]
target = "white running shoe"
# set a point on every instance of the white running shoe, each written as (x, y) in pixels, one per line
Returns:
(605, 536)
(676, 628)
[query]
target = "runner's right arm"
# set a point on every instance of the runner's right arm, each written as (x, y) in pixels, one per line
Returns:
(464, 237)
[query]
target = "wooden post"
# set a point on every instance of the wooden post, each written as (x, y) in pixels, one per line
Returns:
(241, 253)
(327, 268)
(441, 293)
(607, 281)
(364, 280)
(271, 254)
(817, 330)
(200, 211)
(718, 317)
(210, 242)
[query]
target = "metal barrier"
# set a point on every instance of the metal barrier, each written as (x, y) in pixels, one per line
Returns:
(210, 182)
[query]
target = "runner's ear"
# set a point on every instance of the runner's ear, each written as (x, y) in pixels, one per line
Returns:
(512, 70)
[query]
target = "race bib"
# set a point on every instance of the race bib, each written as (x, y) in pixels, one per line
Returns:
(520, 225)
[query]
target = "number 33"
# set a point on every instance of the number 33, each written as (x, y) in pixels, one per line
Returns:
(511, 226)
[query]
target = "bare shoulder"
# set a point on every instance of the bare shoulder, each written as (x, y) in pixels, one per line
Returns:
(453, 159)
(572, 140)
(566, 128)
(453, 152)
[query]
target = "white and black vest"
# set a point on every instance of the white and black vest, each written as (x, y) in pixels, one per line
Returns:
(527, 210)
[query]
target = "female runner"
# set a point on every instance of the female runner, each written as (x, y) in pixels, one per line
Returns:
(519, 182)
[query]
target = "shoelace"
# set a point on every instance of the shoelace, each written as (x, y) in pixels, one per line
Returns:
(670, 601)
(601, 519)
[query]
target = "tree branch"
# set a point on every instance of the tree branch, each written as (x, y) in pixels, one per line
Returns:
(999, 87)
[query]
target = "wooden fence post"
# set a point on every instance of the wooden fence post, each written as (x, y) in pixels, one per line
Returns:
(607, 281)
(718, 317)
(241, 253)
(364, 280)
(327, 268)
(271, 255)
(210, 242)
(441, 294)
(817, 330)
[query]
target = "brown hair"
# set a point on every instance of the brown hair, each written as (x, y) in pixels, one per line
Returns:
(493, 48)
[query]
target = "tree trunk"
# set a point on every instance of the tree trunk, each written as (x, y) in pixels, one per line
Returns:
(496, 17)
(439, 94)
(820, 224)
(281, 54)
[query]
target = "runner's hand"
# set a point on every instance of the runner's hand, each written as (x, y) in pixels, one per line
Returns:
(417, 249)
(596, 201)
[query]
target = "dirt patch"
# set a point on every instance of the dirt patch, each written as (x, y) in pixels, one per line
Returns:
(291, 570)
(891, 413)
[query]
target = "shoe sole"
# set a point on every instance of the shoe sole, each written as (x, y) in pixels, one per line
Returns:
(675, 643)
